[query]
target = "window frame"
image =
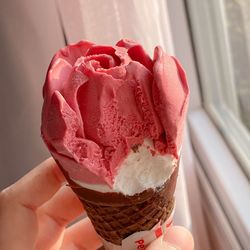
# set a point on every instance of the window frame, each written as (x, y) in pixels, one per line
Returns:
(220, 103)
(231, 187)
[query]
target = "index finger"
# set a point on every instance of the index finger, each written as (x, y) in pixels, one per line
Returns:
(38, 186)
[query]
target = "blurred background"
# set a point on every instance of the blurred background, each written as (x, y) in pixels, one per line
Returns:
(211, 39)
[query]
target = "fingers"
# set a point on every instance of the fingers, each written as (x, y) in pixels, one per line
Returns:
(54, 215)
(38, 186)
(175, 238)
(81, 236)
(63, 207)
(19, 225)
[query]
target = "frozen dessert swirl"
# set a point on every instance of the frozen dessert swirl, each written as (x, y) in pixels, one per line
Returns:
(107, 109)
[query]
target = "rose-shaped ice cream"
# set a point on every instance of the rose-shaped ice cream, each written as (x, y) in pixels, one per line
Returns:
(102, 103)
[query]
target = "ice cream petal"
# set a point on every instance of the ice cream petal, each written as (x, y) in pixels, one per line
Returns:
(142, 80)
(136, 52)
(72, 52)
(170, 94)
(76, 170)
(61, 127)
(104, 50)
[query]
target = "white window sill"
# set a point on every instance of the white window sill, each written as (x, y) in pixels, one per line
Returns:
(221, 233)
(230, 184)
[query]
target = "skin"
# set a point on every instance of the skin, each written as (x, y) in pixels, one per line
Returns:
(36, 210)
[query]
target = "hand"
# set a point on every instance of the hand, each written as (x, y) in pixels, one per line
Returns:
(36, 210)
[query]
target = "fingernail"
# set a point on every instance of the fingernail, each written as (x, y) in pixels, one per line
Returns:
(169, 246)
(178, 238)
(159, 244)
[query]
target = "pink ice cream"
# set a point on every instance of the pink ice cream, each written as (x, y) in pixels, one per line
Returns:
(101, 101)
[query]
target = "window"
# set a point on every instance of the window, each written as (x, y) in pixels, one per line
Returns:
(220, 30)
(218, 119)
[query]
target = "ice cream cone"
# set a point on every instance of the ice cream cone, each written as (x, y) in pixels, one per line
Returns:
(116, 216)
(113, 120)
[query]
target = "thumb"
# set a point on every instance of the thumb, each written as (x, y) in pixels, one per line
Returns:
(175, 238)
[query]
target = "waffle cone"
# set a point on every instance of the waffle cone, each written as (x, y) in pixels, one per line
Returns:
(116, 216)
(116, 223)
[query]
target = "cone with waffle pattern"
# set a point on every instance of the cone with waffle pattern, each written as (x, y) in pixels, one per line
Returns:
(116, 216)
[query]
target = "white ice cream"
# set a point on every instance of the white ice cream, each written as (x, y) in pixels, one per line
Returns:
(139, 171)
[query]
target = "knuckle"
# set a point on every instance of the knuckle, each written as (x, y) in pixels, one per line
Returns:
(5, 195)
